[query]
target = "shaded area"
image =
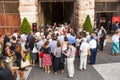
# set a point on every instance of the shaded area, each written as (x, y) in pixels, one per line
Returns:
(58, 11)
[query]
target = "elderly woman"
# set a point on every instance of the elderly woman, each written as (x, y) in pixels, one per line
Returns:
(9, 54)
(115, 46)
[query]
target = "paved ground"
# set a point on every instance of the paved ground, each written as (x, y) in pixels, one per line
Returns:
(106, 68)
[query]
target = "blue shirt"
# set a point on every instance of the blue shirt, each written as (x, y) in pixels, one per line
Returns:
(53, 45)
(71, 39)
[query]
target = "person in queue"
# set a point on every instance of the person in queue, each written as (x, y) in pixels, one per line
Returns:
(70, 59)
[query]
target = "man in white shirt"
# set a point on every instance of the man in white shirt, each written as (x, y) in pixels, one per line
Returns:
(83, 55)
(70, 59)
(93, 50)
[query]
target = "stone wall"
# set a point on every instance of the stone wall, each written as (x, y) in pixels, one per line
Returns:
(85, 7)
(29, 9)
(41, 18)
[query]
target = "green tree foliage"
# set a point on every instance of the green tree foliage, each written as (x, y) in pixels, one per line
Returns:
(25, 27)
(87, 25)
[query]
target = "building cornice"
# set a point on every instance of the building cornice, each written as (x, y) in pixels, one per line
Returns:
(107, 0)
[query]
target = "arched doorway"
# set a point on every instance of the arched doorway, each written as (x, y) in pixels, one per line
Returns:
(58, 12)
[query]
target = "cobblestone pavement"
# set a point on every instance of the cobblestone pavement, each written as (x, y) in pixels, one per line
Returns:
(106, 68)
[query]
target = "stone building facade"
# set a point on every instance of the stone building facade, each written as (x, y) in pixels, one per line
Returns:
(29, 9)
(101, 12)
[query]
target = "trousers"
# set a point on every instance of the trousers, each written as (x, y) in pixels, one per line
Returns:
(83, 62)
(70, 66)
(93, 56)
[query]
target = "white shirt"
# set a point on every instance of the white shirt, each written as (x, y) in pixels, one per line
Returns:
(37, 34)
(78, 42)
(15, 35)
(115, 38)
(61, 38)
(93, 44)
(23, 46)
(84, 48)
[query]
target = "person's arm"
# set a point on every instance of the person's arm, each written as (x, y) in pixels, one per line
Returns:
(14, 68)
(55, 52)
(9, 53)
(68, 52)
(22, 54)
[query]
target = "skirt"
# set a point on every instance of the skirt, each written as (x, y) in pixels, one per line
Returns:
(58, 65)
(33, 56)
(46, 61)
(115, 47)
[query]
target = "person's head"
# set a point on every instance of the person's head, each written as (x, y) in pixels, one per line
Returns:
(18, 37)
(25, 33)
(92, 37)
(87, 33)
(15, 31)
(48, 37)
(57, 34)
(8, 44)
(42, 35)
(93, 34)
(13, 38)
(55, 23)
(117, 32)
(84, 39)
(46, 44)
(103, 31)
(58, 44)
(54, 37)
(102, 27)
(117, 22)
(65, 38)
(31, 32)
(78, 36)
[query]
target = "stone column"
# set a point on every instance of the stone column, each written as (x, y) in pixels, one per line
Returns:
(28, 9)
(86, 7)
(41, 16)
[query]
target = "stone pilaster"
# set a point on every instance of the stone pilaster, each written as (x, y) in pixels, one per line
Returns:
(41, 16)
(86, 7)
(28, 9)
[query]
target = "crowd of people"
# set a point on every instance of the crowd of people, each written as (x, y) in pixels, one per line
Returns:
(57, 47)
